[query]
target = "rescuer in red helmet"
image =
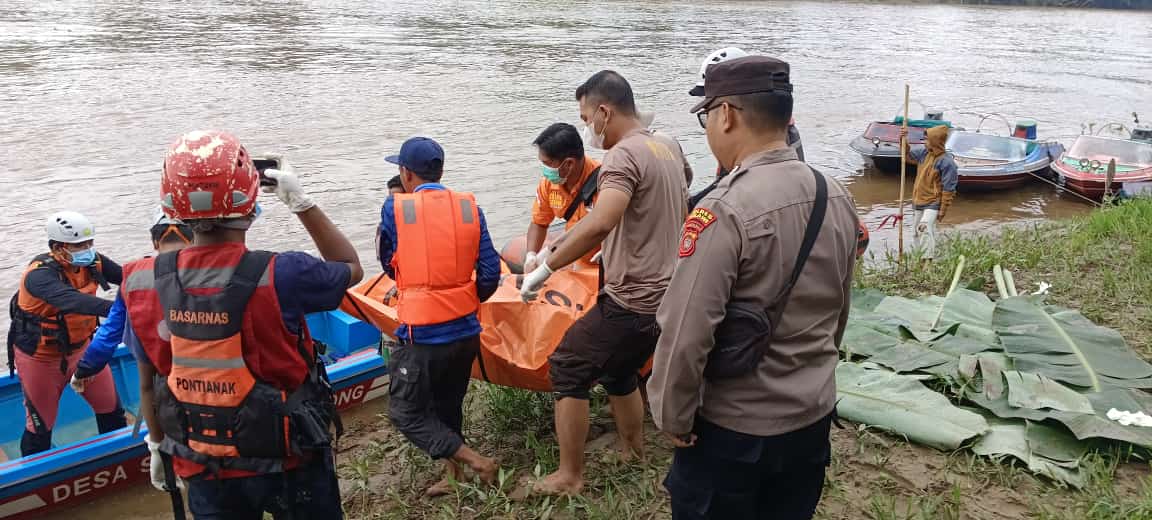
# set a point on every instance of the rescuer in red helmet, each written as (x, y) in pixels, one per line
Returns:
(242, 405)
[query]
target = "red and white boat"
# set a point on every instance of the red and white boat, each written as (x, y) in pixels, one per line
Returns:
(1083, 168)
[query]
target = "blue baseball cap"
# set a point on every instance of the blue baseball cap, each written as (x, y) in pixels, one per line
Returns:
(419, 154)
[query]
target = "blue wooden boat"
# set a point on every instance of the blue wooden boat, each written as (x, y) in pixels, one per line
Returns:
(83, 466)
(992, 162)
(988, 161)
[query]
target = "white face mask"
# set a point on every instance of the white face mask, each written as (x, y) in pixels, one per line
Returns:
(591, 138)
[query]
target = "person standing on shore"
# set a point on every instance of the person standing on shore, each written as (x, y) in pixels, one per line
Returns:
(241, 402)
(434, 243)
(743, 383)
(643, 199)
(934, 189)
(720, 56)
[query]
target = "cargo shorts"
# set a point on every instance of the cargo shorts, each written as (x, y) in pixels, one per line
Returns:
(609, 344)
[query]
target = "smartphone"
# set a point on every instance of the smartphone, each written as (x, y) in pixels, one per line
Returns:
(264, 164)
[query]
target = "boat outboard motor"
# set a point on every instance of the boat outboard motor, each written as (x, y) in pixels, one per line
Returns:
(1142, 133)
(1025, 129)
(933, 115)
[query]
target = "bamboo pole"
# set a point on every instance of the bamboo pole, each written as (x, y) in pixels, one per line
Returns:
(1001, 286)
(903, 166)
(1010, 283)
(951, 289)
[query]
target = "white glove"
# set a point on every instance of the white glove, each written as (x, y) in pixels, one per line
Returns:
(534, 260)
(596, 257)
(78, 384)
(288, 189)
(534, 281)
(156, 467)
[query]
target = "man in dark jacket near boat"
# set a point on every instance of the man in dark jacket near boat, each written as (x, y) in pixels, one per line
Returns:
(934, 189)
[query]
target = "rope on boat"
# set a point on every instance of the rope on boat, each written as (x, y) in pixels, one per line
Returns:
(1062, 188)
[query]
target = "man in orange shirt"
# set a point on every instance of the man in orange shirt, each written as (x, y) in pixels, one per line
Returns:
(567, 190)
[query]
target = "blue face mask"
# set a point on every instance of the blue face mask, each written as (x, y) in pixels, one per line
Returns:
(552, 174)
(84, 258)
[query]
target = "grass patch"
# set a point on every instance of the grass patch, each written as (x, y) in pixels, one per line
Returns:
(1099, 263)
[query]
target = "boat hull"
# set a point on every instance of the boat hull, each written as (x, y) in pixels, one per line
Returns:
(1092, 185)
(884, 157)
(976, 175)
(83, 471)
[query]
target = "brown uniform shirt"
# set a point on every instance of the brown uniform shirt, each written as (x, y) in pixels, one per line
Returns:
(741, 243)
(640, 252)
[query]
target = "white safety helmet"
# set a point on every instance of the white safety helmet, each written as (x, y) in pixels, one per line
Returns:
(159, 218)
(725, 54)
(69, 227)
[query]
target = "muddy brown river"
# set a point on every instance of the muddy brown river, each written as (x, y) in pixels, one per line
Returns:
(92, 91)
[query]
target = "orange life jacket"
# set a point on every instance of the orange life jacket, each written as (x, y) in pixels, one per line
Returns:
(437, 244)
(213, 410)
(40, 328)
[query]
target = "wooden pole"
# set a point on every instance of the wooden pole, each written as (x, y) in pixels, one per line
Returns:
(903, 166)
(1109, 178)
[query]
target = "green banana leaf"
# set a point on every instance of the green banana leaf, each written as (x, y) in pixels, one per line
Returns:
(1098, 425)
(1067, 347)
(985, 386)
(1034, 391)
(882, 323)
(866, 299)
(991, 366)
(1047, 451)
(901, 356)
(904, 406)
(957, 346)
(965, 313)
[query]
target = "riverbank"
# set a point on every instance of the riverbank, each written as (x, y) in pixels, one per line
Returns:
(1080, 4)
(1100, 263)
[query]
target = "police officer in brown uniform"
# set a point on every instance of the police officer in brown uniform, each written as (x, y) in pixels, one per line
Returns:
(743, 385)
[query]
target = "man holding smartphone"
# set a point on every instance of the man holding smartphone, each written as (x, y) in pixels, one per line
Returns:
(243, 407)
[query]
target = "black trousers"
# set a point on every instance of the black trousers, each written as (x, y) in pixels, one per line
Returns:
(729, 475)
(426, 393)
(310, 491)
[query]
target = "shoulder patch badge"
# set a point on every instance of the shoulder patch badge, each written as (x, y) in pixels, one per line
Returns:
(697, 222)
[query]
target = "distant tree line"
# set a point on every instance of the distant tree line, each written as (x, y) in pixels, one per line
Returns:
(1101, 4)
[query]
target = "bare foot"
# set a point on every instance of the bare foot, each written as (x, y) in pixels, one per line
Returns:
(628, 452)
(439, 489)
(558, 484)
(618, 456)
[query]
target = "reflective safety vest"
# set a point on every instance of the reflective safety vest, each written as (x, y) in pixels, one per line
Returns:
(195, 323)
(38, 327)
(437, 244)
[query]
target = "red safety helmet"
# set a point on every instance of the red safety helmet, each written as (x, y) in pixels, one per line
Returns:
(208, 175)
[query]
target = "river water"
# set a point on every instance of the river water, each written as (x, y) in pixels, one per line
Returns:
(92, 91)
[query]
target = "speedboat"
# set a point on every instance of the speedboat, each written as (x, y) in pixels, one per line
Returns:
(880, 142)
(995, 162)
(1083, 169)
(83, 466)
